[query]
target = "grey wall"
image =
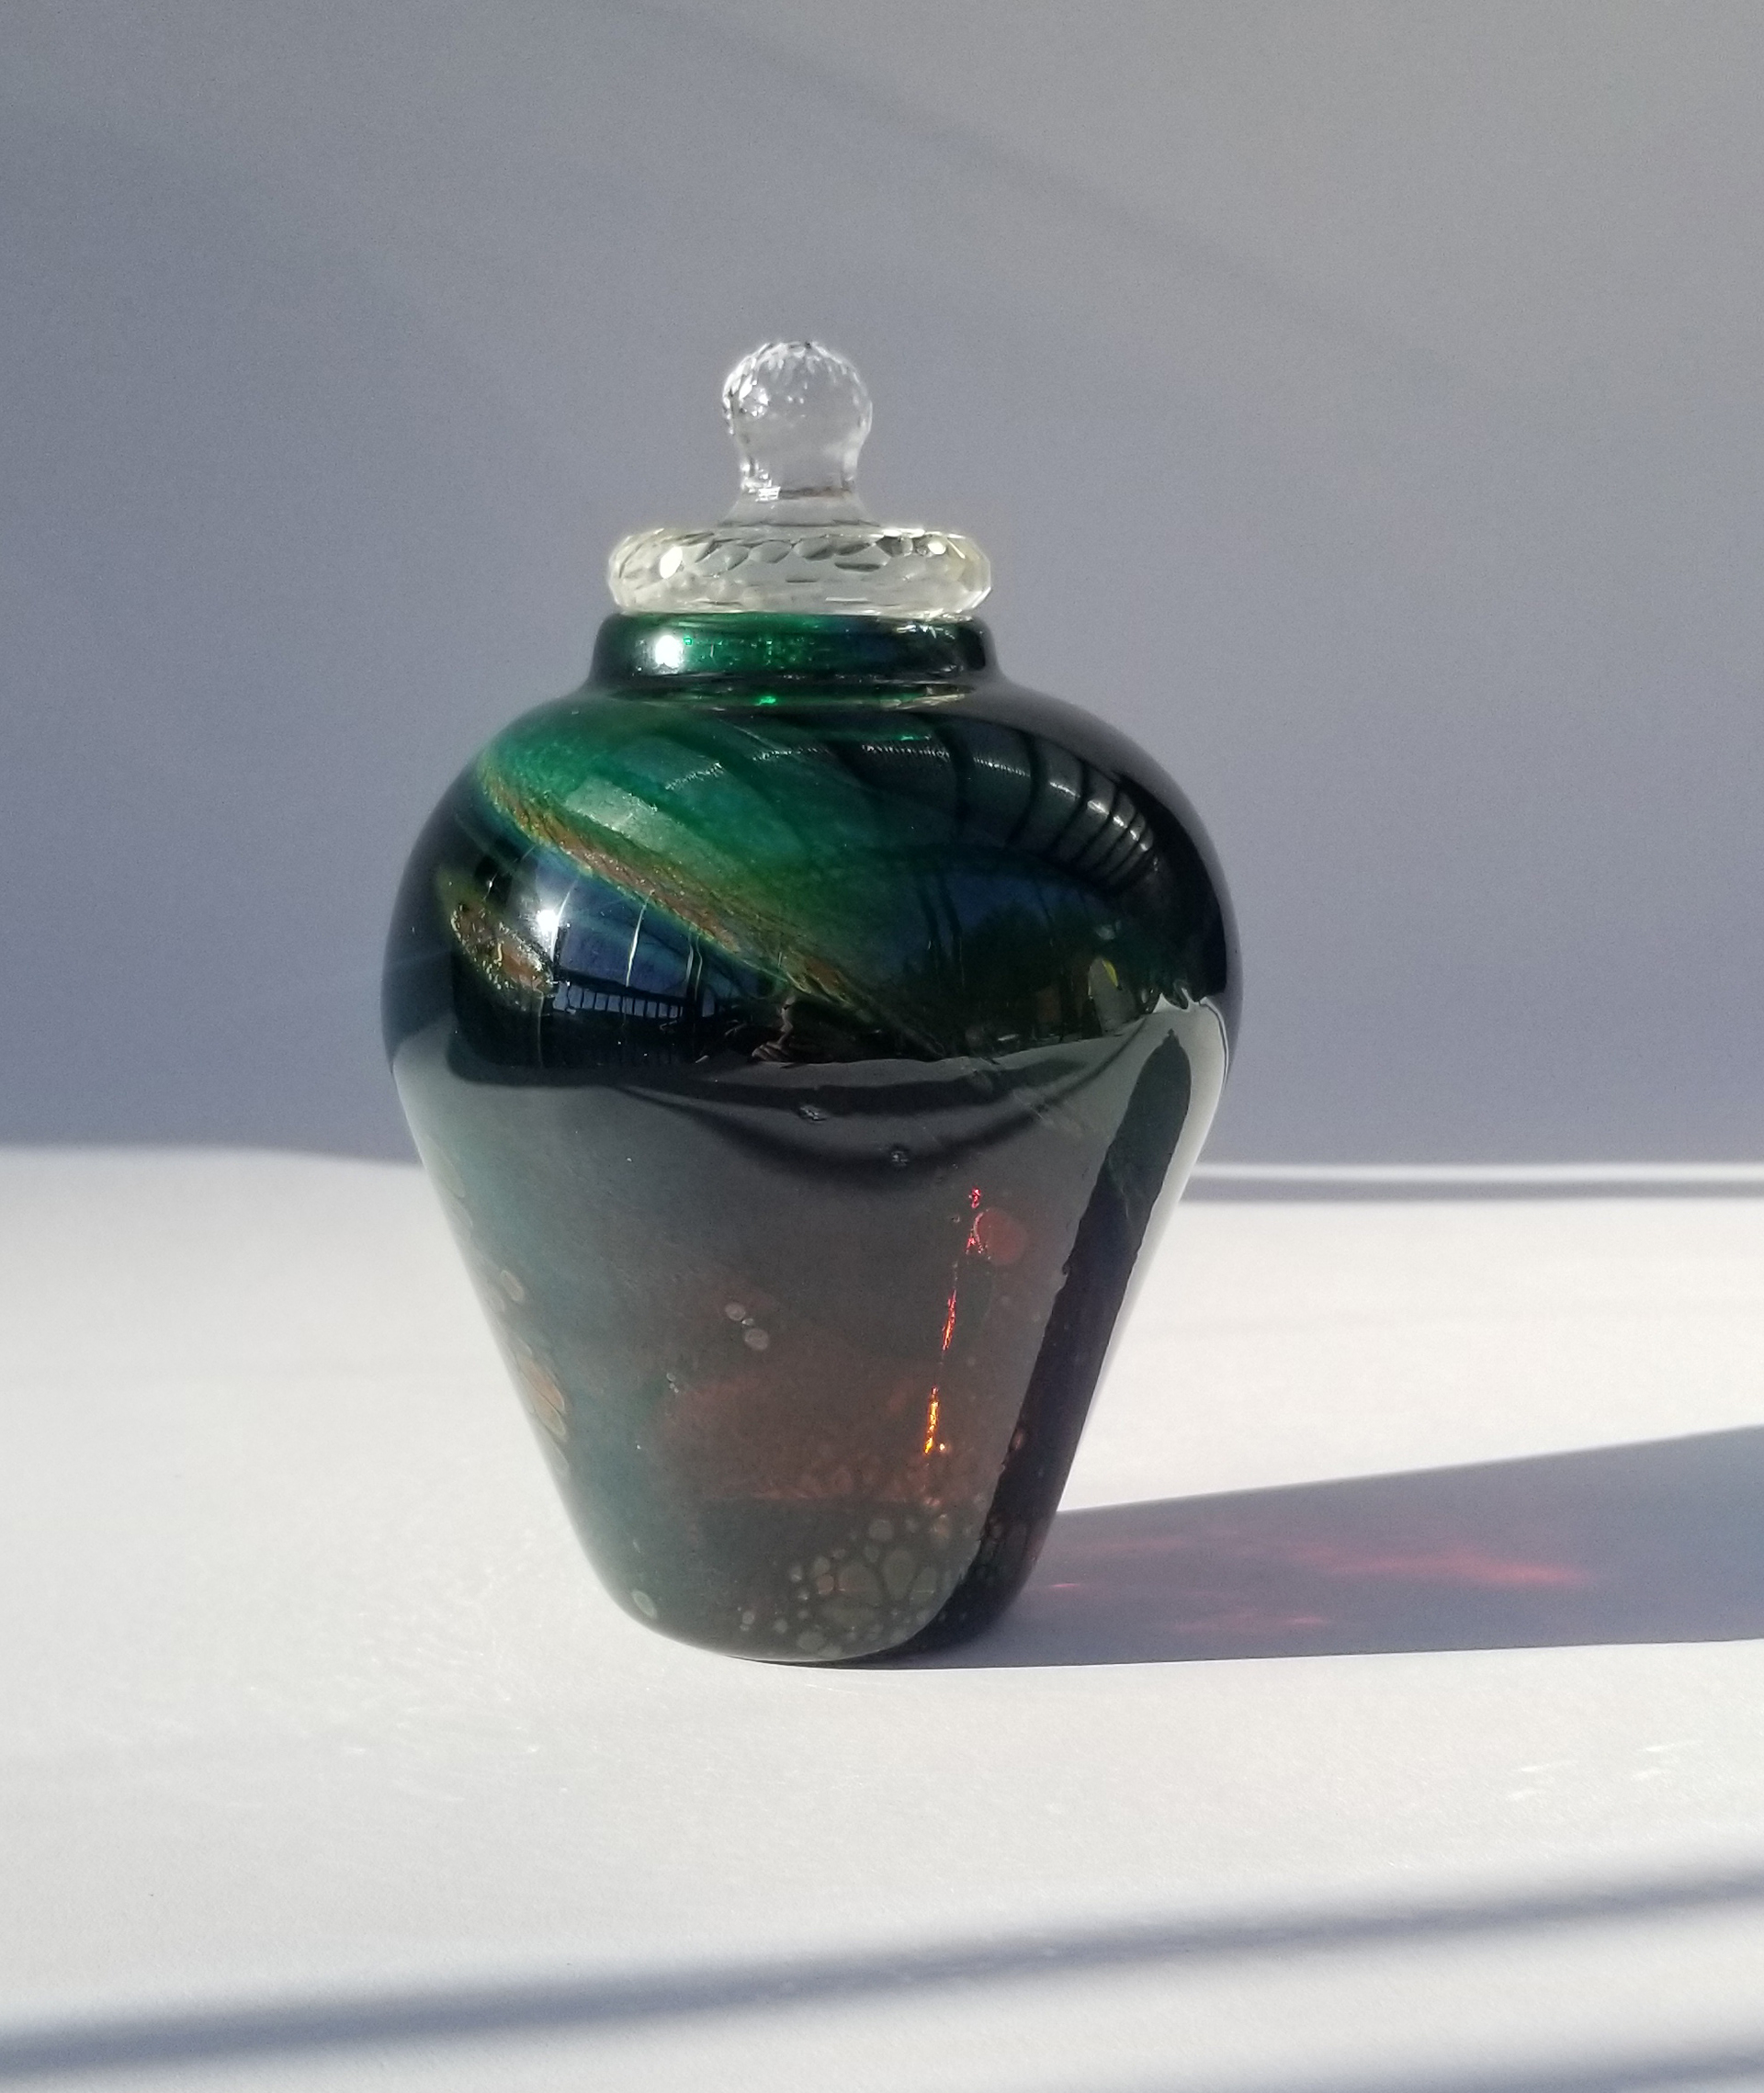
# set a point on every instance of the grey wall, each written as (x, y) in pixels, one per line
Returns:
(1362, 404)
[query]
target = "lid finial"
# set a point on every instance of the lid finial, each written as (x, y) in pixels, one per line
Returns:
(797, 537)
(798, 414)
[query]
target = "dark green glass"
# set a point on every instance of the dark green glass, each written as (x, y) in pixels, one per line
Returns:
(802, 1023)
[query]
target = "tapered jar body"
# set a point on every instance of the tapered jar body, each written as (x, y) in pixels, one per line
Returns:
(802, 1024)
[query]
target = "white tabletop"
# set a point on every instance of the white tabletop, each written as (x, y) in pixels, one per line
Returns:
(324, 1761)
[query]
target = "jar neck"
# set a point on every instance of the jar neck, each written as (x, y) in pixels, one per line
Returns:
(734, 653)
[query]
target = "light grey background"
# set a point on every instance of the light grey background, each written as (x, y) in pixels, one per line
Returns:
(1360, 403)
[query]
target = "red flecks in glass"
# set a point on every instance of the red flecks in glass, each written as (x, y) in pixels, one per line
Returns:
(999, 1236)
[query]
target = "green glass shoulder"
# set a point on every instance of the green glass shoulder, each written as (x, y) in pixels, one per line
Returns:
(866, 807)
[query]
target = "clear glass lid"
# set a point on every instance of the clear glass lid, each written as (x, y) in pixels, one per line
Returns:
(797, 537)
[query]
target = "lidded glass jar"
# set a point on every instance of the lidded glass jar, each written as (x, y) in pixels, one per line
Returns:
(802, 1024)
